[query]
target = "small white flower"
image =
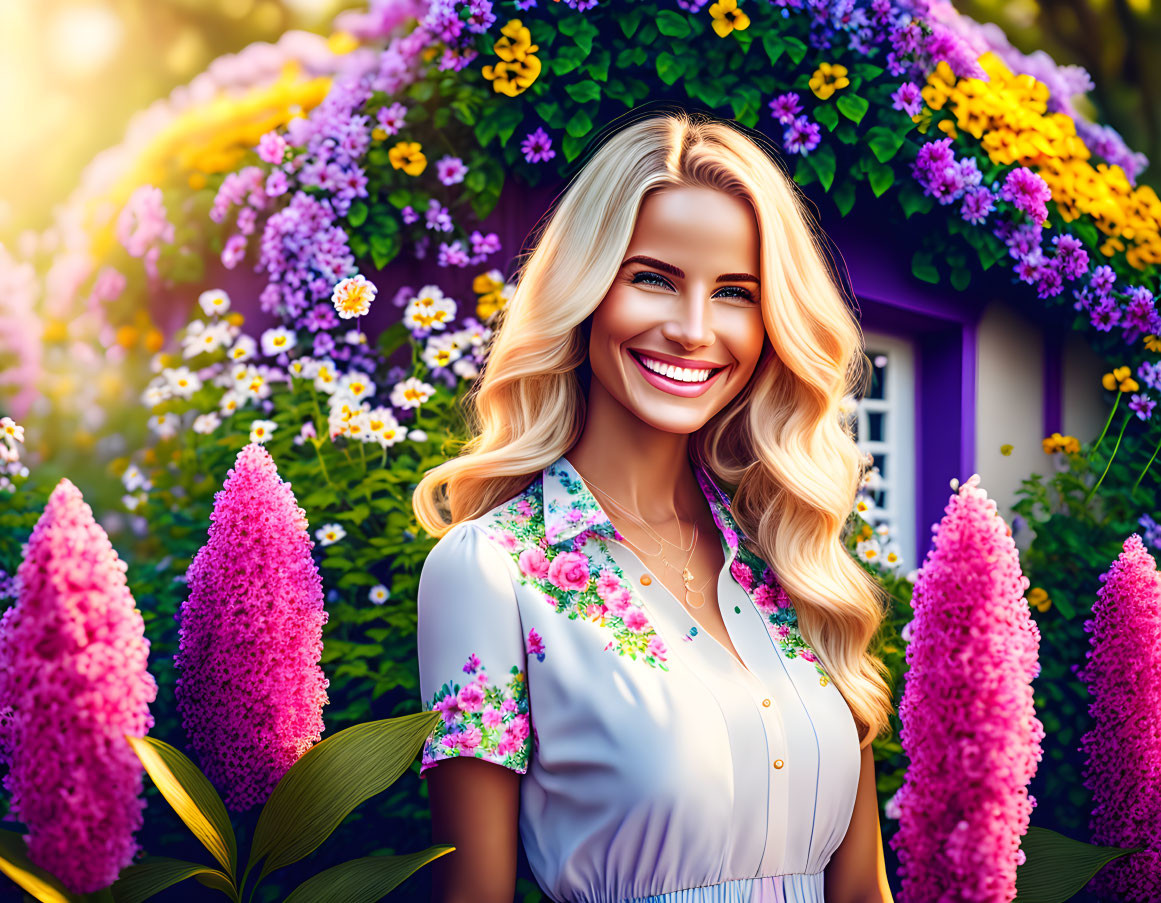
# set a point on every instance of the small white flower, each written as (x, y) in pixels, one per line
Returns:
(417, 436)
(277, 340)
(465, 368)
(869, 550)
(912, 576)
(430, 309)
(156, 393)
(214, 301)
(355, 337)
(206, 423)
(891, 556)
(243, 349)
(261, 430)
(133, 501)
(849, 405)
(164, 425)
(383, 426)
(10, 430)
(358, 385)
(865, 507)
(378, 594)
(182, 381)
(133, 479)
(411, 393)
(326, 379)
(303, 368)
(214, 336)
(441, 351)
(329, 534)
(882, 530)
(231, 401)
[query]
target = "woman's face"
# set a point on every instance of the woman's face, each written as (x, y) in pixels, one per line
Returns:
(678, 335)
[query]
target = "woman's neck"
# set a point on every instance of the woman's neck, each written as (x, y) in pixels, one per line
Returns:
(645, 469)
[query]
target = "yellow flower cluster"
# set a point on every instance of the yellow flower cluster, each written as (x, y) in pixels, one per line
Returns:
(519, 66)
(1121, 378)
(490, 289)
(828, 78)
(1038, 599)
(727, 17)
(1057, 442)
(1008, 115)
(408, 156)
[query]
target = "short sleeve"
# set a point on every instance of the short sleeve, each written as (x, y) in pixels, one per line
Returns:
(472, 661)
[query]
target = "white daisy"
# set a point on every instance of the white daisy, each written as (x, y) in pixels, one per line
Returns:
(383, 426)
(378, 594)
(891, 556)
(231, 401)
(303, 368)
(465, 368)
(277, 340)
(261, 430)
(417, 436)
(326, 379)
(10, 430)
(182, 381)
(155, 393)
(411, 393)
(442, 351)
(430, 309)
(869, 550)
(243, 349)
(865, 507)
(329, 534)
(206, 423)
(164, 425)
(133, 479)
(358, 385)
(214, 301)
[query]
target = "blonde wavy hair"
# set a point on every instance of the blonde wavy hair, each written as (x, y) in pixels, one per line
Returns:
(782, 444)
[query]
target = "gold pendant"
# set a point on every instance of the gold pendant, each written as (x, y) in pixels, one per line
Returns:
(686, 577)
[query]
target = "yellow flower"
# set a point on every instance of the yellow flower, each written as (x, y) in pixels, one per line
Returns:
(342, 42)
(512, 78)
(408, 156)
(1006, 449)
(491, 292)
(1120, 379)
(1057, 442)
(727, 17)
(234, 318)
(1152, 343)
(1038, 599)
(828, 78)
(516, 42)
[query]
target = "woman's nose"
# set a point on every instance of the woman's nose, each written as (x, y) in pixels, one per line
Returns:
(691, 324)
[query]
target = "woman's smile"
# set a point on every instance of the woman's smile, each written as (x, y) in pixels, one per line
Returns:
(689, 378)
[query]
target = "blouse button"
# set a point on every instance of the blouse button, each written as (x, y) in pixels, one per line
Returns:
(823, 681)
(778, 763)
(646, 579)
(765, 702)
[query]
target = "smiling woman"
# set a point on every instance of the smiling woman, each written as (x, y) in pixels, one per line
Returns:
(641, 608)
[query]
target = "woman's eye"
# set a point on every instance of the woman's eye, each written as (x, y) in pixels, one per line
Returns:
(650, 278)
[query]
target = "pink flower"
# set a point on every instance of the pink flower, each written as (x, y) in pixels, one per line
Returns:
(742, 573)
(595, 610)
(569, 570)
(469, 738)
(764, 598)
(491, 717)
(533, 562)
(524, 508)
(251, 636)
(607, 584)
(471, 698)
(508, 705)
(506, 539)
(1123, 768)
(635, 620)
(73, 678)
(518, 727)
(969, 724)
(449, 707)
(656, 647)
(535, 644)
(619, 601)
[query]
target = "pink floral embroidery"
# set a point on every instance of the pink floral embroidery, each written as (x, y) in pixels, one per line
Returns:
(569, 571)
(535, 645)
(533, 562)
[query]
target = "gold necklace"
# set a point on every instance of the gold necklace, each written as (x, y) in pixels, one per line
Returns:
(685, 573)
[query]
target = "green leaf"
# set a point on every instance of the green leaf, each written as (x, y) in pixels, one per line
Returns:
(364, 880)
(1056, 867)
(393, 338)
(357, 215)
(796, 48)
(880, 176)
(673, 24)
(631, 56)
(923, 268)
(464, 112)
(804, 173)
(573, 146)
(191, 795)
(883, 142)
(329, 781)
(826, 116)
(824, 163)
(844, 196)
(960, 279)
(629, 20)
(774, 44)
(669, 67)
(567, 59)
(549, 111)
(153, 875)
(15, 864)
(853, 107)
(912, 200)
(583, 92)
(598, 67)
(580, 124)
(583, 32)
(847, 133)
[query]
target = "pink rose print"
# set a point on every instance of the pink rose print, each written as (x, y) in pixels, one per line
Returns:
(574, 515)
(450, 742)
(808, 655)
(470, 738)
(569, 570)
(491, 717)
(471, 698)
(742, 574)
(506, 539)
(482, 677)
(656, 647)
(524, 508)
(764, 598)
(519, 727)
(535, 645)
(508, 705)
(635, 620)
(533, 563)
(607, 584)
(619, 601)
(595, 610)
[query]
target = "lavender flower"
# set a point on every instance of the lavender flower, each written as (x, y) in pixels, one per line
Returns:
(801, 136)
(785, 107)
(250, 690)
(1028, 192)
(537, 146)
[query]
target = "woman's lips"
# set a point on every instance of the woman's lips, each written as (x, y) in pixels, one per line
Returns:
(674, 386)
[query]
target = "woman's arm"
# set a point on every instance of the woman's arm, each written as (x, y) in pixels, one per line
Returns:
(475, 806)
(857, 872)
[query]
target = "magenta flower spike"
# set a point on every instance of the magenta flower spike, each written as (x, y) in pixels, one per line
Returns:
(73, 681)
(1123, 769)
(250, 690)
(969, 724)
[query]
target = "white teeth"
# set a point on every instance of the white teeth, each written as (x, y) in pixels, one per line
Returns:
(681, 374)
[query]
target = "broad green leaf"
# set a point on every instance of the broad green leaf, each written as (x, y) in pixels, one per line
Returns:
(191, 795)
(853, 106)
(579, 125)
(629, 20)
(923, 268)
(583, 92)
(1057, 867)
(880, 176)
(669, 68)
(843, 196)
(824, 163)
(673, 24)
(329, 781)
(804, 172)
(826, 116)
(961, 278)
(364, 880)
(141, 881)
(773, 43)
(796, 48)
(883, 142)
(392, 338)
(15, 864)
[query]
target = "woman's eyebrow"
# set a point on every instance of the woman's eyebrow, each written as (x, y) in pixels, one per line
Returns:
(680, 273)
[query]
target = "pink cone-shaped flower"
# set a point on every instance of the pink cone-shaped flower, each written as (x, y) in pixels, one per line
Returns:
(969, 723)
(250, 689)
(1123, 770)
(73, 681)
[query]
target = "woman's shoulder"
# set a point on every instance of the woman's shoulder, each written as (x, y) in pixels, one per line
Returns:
(505, 527)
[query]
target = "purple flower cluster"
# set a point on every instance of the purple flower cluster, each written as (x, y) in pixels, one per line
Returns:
(948, 179)
(1123, 770)
(444, 22)
(969, 723)
(1028, 193)
(1137, 317)
(250, 689)
(73, 680)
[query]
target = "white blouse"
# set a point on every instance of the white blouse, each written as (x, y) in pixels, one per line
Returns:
(655, 766)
